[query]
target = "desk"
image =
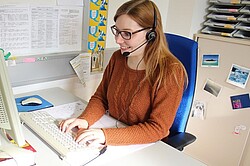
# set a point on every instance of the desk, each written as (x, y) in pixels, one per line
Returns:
(153, 154)
(158, 154)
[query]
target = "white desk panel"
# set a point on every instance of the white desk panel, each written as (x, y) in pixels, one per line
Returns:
(158, 154)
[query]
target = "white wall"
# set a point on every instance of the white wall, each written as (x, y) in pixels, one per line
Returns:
(185, 17)
(198, 16)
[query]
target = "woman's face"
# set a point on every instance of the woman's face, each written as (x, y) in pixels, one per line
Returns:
(125, 23)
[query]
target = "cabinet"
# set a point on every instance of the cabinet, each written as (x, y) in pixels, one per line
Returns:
(229, 18)
(216, 143)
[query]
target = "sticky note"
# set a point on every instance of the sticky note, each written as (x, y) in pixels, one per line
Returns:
(29, 60)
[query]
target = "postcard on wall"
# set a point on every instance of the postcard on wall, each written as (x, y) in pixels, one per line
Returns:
(81, 65)
(97, 58)
(238, 76)
(240, 101)
(198, 109)
(210, 60)
(212, 87)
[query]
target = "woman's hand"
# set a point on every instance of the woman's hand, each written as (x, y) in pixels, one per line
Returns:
(69, 124)
(93, 137)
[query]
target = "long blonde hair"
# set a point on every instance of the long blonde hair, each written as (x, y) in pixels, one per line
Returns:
(156, 53)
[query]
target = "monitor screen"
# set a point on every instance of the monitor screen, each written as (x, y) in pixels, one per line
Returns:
(9, 117)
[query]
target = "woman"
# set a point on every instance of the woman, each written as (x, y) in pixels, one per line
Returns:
(142, 85)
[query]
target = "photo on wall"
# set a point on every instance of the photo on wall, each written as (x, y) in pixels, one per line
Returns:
(212, 88)
(210, 60)
(238, 76)
(240, 101)
(198, 109)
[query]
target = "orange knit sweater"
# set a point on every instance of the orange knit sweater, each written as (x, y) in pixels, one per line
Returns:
(148, 113)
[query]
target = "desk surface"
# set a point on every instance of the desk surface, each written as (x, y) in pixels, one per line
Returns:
(154, 154)
(158, 154)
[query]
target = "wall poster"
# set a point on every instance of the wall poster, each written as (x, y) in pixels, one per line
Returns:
(97, 32)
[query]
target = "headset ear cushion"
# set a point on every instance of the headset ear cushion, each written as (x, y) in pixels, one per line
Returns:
(151, 35)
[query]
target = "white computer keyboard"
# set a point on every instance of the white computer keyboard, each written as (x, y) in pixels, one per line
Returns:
(46, 127)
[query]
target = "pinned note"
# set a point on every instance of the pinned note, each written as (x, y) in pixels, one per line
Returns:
(81, 65)
(29, 60)
(11, 62)
(238, 129)
(198, 109)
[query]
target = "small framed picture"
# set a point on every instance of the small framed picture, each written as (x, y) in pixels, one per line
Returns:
(97, 58)
(212, 87)
(210, 60)
(238, 76)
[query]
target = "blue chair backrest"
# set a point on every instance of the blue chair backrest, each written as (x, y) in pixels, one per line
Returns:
(185, 50)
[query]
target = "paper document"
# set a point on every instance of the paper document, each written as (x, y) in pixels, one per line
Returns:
(30, 29)
(65, 111)
(74, 109)
(81, 65)
(70, 3)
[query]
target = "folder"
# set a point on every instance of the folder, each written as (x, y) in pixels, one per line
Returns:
(21, 108)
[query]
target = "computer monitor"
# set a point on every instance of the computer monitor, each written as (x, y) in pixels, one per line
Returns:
(9, 117)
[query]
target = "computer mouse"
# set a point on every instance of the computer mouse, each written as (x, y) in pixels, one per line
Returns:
(31, 101)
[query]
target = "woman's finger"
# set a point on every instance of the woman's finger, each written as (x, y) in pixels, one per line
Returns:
(85, 137)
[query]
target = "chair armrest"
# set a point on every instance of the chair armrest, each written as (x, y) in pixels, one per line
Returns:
(180, 140)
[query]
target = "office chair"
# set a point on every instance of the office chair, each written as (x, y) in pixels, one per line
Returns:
(185, 50)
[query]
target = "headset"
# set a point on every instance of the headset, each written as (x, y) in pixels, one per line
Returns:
(151, 35)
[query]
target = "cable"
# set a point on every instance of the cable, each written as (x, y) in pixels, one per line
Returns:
(103, 150)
